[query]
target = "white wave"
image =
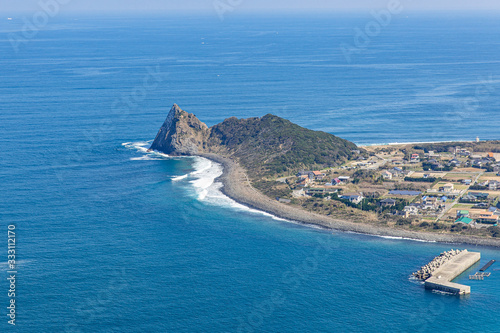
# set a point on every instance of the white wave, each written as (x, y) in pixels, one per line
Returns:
(414, 280)
(157, 153)
(407, 238)
(140, 146)
(202, 165)
(179, 178)
(145, 158)
(143, 147)
(444, 293)
(209, 191)
(202, 178)
(390, 237)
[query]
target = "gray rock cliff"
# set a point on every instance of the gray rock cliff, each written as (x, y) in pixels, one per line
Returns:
(181, 134)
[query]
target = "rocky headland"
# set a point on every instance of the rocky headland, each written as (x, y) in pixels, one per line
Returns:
(255, 147)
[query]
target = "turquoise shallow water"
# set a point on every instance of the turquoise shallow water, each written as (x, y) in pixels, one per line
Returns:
(111, 239)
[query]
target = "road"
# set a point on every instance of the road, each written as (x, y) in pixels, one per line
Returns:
(447, 207)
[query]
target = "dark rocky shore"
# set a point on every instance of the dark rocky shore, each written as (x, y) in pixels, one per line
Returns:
(237, 187)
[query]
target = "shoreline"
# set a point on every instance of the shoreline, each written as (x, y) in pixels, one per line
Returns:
(371, 145)
(237, 187)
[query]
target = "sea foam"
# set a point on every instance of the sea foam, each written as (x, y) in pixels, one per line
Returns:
(202, 179)
(208, 190)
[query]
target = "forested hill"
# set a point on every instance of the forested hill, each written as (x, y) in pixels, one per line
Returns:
(264, 146)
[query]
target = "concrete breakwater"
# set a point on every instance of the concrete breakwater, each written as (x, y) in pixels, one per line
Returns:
(426, 271)
(439, 273)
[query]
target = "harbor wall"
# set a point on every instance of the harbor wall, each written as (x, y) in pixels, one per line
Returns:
(442, 277)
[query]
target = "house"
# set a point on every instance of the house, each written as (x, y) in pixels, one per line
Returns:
(412, 210)
(464, 220)
(313, 191)
(462, 152)
(336, 181)
(304, 180)
(493, 185)
(402, 213)
(318, 175)
(386, 175)
(344, 178)
(461, 213)
(354, 198)
(397, 172)
(449, 187)
(480, 162)
(467, 181)
(487, 218)
(429, 202)
(479, 196)
(494, 210)
(311, 174)
(387, 202)
(439, 166)
(431, 153)
(468, 198)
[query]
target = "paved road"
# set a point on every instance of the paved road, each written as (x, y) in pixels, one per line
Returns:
(449, 206)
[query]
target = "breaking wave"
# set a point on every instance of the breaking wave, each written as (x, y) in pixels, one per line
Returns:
(179, 178)
(202, 179)
(407, 238)
(142, 147)
(208, 190)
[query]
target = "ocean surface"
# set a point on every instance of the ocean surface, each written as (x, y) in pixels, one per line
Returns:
(110, 238)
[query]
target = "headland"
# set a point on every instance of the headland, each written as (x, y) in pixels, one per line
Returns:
(261, 157)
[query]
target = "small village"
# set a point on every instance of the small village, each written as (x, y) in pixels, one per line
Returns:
(454, 189)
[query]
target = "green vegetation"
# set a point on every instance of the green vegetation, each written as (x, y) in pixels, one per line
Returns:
(271, 145)
(482, 146)
(423, 180)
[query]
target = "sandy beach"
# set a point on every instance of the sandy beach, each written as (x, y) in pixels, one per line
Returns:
(238, 187)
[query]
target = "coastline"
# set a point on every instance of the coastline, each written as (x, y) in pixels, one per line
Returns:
(409, 143)
(237, 186)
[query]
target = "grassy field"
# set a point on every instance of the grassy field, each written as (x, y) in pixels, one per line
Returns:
(455, 185)
(489, 176)
(432, 174)
(459, 176)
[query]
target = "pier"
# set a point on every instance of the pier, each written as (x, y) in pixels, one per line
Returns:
(441, 278)
(439, 273)
(485, 267)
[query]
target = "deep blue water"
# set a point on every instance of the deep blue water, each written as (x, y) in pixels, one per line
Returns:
(111, 239)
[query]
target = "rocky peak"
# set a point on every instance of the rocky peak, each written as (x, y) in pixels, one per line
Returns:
(181, 134)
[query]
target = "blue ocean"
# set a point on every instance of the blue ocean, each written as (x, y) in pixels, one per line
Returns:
(111, 238)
